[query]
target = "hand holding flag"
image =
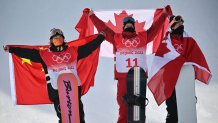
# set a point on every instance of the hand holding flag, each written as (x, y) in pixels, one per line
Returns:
(6, 48)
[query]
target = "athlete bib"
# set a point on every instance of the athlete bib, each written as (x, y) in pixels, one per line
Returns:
(60, 62)
(128, 58)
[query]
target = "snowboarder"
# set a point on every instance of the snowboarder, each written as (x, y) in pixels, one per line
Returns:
(176, 34)
(58, 47)
(124, 43)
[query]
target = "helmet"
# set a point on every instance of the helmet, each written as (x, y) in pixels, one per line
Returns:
(55, 32)
(128, 19)
(176, 18)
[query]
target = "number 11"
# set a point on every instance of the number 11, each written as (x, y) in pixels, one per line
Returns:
(135, 62)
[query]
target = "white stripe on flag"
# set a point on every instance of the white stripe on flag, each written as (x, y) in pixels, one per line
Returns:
(12, 80)
(141, 15)
(159, 62)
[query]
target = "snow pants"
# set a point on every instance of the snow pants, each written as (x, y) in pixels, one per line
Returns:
(121, 91)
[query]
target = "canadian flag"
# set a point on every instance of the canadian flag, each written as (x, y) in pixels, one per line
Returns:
(168, 62)
(114, 20)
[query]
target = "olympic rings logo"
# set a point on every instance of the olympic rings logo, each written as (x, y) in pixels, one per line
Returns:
(61, 58)
(131, 42)
(178, 47)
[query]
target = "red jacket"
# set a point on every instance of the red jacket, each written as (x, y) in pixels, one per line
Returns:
(119, 42)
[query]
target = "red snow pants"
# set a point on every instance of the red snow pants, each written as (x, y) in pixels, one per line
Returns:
(121, 91)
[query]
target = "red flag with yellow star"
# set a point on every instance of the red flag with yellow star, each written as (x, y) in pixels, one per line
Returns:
(28, 81)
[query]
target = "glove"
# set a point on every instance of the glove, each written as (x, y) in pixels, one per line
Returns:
(86, 11)
(102, 33)
(168, 10)
(6, 48)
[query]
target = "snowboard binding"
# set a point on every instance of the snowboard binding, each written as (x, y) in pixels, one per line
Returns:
(136, 100)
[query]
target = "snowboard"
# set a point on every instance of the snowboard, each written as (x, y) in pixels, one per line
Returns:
(136, 82)
(185, 95)
(68, 95)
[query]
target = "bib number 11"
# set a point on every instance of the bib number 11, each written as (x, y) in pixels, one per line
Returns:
(132, 62)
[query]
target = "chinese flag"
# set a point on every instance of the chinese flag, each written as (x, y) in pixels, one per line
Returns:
(28, 83)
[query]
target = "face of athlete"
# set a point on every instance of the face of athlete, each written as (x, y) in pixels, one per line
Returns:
(128, 25)
(57, 40)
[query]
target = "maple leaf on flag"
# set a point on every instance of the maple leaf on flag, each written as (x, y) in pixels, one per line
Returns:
(118, 28)
(162, 50)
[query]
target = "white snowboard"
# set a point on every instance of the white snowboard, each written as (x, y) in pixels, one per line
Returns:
(185, 95)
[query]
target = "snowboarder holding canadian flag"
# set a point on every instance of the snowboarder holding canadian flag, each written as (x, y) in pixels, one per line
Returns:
(130, 49)
(176, 49)
(57, 58)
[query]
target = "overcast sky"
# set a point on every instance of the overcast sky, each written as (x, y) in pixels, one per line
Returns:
(29, 22)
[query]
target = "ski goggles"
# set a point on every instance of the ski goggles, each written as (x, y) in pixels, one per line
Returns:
(178, 19)
(128, 20)
(57, 37)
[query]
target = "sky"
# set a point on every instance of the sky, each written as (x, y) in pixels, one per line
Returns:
(29, 22)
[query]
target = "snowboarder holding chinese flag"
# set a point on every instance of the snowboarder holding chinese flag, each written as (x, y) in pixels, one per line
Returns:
(59, 55)
(129, 49)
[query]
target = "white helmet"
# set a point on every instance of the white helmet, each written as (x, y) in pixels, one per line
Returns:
(55, 32)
